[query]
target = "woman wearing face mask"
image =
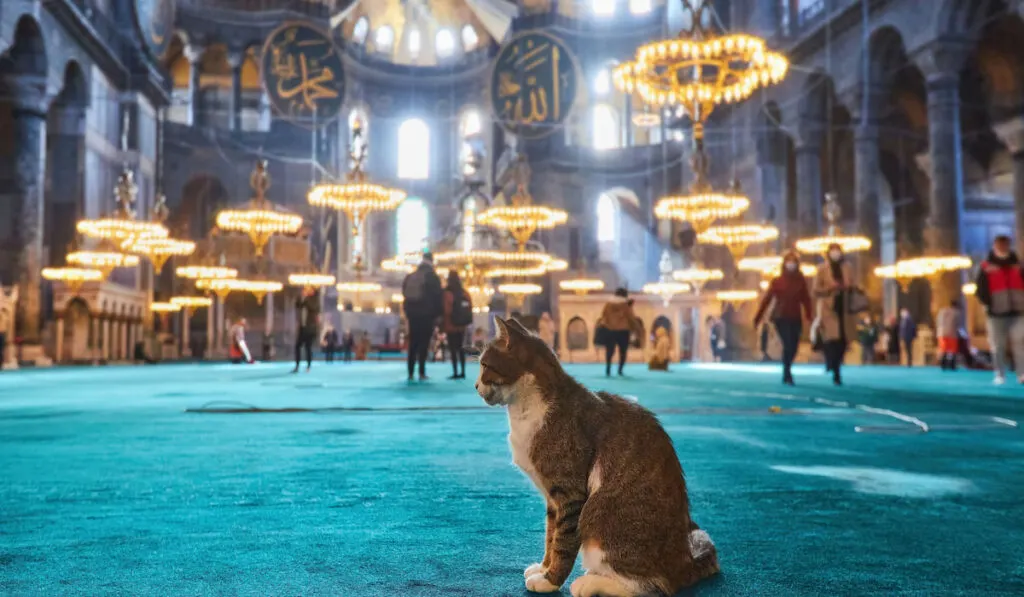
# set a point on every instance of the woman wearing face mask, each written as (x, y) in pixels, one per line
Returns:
(832, 286)
(789, 299)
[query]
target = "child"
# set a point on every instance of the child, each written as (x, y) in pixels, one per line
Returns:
(662, 351)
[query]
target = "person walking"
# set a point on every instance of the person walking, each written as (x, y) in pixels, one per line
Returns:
(867, 337)
(892, 341)
(458, 314)
(1000, 288)
(619, 321)
(348, 342)
(947, 328)
(307, 310)
(423, 305)
(789, 300)
(833, 286)
(329, 342)
(908, 334)
(238, 352)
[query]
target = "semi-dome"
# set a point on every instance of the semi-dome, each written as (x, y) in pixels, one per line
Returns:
(425, 32)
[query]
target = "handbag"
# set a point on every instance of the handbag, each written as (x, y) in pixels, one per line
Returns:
(857, 302)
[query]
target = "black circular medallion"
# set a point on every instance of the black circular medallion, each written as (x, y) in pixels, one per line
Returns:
(303, 75)
(155, 20)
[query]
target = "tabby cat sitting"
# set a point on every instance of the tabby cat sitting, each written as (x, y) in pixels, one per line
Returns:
(607, 470)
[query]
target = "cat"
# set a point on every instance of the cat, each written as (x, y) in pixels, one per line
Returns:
(608, 473)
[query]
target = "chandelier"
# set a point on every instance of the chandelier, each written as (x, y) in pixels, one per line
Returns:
(158, 249)
(356, 197)
(122, 224)
(519, 289)
(191, 303)
(522, 218)
(582, 286)
(104, 261)
(833, 235)
(206, 272)
(701, 68)
(311, 280)
(771, 266)
(224, 286)
(666, 287)
(164, 307)
(72, 277)
(906, 270)
(736, 296)
(260, 219)
(738, 237)
(697, 276)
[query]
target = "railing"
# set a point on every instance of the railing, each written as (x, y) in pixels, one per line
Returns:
(316, 8)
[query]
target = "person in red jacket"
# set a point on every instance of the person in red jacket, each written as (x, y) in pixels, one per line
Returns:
(1001, 289)
(789, 298)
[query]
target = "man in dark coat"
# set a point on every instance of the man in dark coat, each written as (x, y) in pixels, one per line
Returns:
(423, 306)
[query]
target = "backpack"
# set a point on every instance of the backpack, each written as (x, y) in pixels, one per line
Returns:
(462, 310)
(415, 288)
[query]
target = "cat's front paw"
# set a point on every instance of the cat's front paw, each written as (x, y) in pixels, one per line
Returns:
(538, 583)
(532, 569)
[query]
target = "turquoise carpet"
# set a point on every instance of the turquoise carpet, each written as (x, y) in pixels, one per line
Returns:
(113, 486)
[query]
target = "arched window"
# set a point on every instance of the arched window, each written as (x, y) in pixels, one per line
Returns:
(444, 42)
(606, 127)
(383, 38)
(361, 30)
(469, 38)
(412, 226)
(414, 42)
(414, 149)
(607, 215)
(603, 8)
(603, 82)
(471, 123)
(639, 7)
(356, 116)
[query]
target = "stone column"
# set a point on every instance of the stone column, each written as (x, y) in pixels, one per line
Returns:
(106, 339)
(194, 55)
(65, 201)
(235, 60)
(1012, 134)
(59, 357)
(130, 352)
(211, 313)
(941, 65)
(28, 106)
(186, 348)
(866, 196)
(808, 185)
(94, 328)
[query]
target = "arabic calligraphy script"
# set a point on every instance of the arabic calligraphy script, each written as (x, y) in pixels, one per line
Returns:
(303, 74)
(533, 86)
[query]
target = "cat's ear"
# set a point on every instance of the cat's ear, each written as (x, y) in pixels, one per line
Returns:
(503, 338)
(515, 326)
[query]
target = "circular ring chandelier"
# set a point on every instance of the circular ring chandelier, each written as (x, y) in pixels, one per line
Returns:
(311, 280)
(104, 261)
(72, 277)
(206, 272)
(737, 237)
(358, 286)
(905, 270)
(819, 245)
(770, 266)
(736, 296)
(260, 219)
(159, 250)
(582, 286)
(122, 224)
(164, 307)
(697, 276)
(701, 209)
(191, 303)
(520, 289)
(521, 218)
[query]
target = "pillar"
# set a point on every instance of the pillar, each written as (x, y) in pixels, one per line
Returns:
(186, 347)
(28, 110)
(132, 338)
(59, 356)
(1011, 132)
(866, 197)
(106, 339)
(809, 195)
(235, 60)
(65, 201)
(941, 64)
(194, 55)
(210, 316)
(94, 330)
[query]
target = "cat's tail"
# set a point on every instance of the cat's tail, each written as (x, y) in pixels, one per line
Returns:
(705, 556)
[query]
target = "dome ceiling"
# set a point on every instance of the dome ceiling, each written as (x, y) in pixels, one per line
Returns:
(425, 32)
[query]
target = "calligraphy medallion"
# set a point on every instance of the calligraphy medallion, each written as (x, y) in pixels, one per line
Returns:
(303, 75)
(534, 84)
(155, 20)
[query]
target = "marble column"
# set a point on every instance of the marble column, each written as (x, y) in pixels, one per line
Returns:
(194, 55)
(1012, 134)
(235, 60)
(866, 197)
(186, 347)
(59, 356)
(941, 65)
(106, 339)
(94, 329)
(211, 313)
(28, 110)
(808, 186)
(65, 201)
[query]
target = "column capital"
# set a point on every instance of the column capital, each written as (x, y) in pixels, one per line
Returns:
(194, 52)
(29, 93)
(940, 61)
(236, 56)
(1011, 133)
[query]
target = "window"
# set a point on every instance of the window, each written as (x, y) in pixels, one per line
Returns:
(603, 82)
(445, 43)
(606, 216)
(412, 226)
(604, 8)
(360, 31)
(413, 149)
(471, 124)
(469, 38)
(414, 42)
(384, 37)
(354, 117)
(639, 7)
(606, 127)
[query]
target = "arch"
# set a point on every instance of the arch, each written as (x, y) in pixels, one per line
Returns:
(603, 8)
(471, 122)
(75, 90)
(607, 218)
(470, 38)
(414, 41)
(965, 17)
(414, 149)
(603, 82)
(412, 226)
(577, 334)
(814, 101)
(27, 55)
(361, 30)
(384, 38)
(640, 7)
(606, 127)
(201, 198)
(444, 43)
(77, 323)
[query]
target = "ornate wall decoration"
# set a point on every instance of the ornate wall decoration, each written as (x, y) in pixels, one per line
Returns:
(534, 84)
(303, 74)
(155, 20)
